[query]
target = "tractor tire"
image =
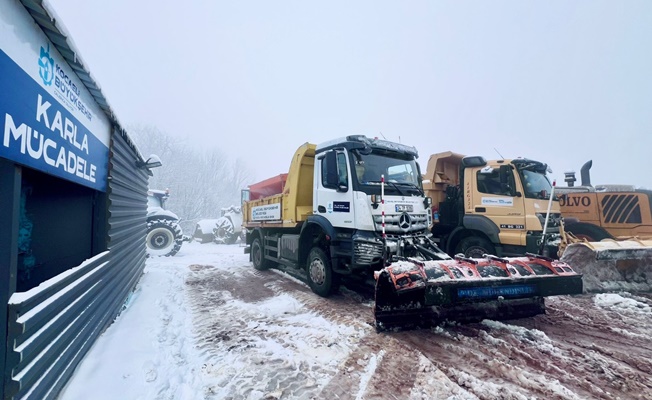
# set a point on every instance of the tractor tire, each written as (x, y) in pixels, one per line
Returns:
(258, 256)
(589, 232)
(474, 247)
(164, 238)
(321, 278)
(224, 232)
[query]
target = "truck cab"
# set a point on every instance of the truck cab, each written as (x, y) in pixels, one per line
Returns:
(496, 207)
(353, 176)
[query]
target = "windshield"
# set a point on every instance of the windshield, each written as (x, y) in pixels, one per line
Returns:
(535, 184)
(401, 173)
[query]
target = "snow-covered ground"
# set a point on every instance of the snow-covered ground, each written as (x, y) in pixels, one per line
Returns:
(205, 325)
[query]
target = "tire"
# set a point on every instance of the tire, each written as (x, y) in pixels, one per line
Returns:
(321, 278)
(589, 232)
(258, 256)
(474, 247)
(224, 232)
(164, 238)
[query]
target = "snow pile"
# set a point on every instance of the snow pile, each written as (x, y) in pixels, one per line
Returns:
(532, 337)
(614, 301)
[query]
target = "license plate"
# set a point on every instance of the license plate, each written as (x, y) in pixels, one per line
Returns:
(488, 292)
(404, 207)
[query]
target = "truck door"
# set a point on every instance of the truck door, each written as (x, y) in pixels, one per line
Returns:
(495, 198)
(333, 193)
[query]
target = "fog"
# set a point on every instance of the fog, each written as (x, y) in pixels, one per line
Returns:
(561, 82)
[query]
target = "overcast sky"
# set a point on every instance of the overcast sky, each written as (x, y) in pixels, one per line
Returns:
(558, 81)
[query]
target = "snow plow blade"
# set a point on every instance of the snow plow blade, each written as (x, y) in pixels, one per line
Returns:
(612, 264)
(422, 293)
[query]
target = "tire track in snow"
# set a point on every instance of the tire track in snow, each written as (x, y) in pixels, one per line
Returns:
(166, 373)
(550, 356)
(272, 345)
(578, 350)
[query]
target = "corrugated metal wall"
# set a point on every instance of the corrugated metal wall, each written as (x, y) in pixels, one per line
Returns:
(51, 327)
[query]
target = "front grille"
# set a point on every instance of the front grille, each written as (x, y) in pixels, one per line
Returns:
(417, 222)
(367, 253)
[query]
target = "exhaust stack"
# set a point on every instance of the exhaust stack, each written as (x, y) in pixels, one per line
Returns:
(584, 173)
(569, 178)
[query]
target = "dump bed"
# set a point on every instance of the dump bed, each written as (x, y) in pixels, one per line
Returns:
(292, 202)
(268, 187)
(443, 170)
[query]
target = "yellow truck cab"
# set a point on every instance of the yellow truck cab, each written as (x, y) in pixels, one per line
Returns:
(495, 207)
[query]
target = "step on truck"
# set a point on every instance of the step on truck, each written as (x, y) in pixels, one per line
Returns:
(355, 207)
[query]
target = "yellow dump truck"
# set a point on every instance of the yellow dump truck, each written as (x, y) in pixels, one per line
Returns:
(355, 207)
(495, 207)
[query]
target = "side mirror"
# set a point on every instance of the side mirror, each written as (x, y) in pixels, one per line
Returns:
(245, 195)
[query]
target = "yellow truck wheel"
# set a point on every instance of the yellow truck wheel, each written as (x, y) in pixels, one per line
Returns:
(474, 247)
(257, 255)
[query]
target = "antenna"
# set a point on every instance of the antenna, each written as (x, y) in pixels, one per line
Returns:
(501, 156)
(381, 134)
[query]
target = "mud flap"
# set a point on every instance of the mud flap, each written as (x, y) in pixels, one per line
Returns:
(612, 264)
(413, 292)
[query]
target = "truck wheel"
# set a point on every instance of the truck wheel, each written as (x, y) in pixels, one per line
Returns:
(474, 247)
(321, 278)
(257, 256)
(164, 238)
(224, 232)
(587, 231)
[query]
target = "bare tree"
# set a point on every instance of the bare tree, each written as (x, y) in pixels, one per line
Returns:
(201, 182)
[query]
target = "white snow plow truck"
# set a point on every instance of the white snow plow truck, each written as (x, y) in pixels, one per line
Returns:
(164, 235)
(355, 207)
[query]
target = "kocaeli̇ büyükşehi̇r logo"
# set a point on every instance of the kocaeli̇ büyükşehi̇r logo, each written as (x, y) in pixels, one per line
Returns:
(46, 66)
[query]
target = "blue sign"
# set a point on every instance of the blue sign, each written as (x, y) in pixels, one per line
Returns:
(341, 206)
(38, 132)
(488, 292)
